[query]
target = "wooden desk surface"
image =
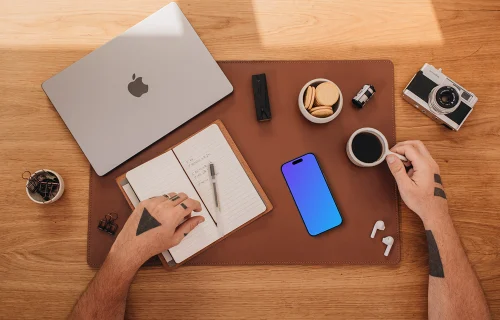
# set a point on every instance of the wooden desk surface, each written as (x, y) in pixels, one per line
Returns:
(43, 248)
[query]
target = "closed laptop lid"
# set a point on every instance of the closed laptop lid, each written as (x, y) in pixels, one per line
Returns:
(137, 88)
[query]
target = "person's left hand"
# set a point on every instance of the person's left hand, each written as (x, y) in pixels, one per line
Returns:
(155, 226)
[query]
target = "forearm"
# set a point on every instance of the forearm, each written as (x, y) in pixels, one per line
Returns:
(106, 295)
(454, 290)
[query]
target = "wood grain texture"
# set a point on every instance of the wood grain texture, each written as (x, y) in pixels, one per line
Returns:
(43, 248)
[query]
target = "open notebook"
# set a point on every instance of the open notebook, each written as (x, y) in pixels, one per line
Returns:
(184, 168)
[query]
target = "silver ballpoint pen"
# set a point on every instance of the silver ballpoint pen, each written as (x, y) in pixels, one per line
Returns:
(214, 187)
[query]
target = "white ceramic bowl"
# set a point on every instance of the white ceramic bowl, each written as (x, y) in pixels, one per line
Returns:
(337, 107)
(35, 197)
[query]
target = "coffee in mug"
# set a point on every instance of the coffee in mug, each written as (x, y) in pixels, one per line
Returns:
(368, 147)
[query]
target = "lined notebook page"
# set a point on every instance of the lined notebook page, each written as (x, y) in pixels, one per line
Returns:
(240, 201)
(163, 175)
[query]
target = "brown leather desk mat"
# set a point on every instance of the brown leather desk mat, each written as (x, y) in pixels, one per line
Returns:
(364, 195)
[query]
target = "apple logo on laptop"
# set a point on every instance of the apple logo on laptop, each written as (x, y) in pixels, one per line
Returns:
(137, 88)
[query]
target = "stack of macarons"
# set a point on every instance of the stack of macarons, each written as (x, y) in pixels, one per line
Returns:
(319, 100)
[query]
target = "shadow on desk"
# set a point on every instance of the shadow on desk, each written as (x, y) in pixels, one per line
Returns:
(44, 248)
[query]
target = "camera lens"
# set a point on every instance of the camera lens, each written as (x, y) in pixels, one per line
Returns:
(444, 99)
(447, 97)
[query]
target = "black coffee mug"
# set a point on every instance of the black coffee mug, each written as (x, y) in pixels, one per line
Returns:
(368, 147)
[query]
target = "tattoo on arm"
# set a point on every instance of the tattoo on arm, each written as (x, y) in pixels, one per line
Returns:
(437, 179)
(438, 192)
(435, 264)
(147, 222)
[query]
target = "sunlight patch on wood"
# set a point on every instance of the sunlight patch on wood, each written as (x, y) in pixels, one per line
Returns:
(323, 23)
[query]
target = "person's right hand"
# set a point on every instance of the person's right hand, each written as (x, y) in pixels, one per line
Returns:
(420, 188)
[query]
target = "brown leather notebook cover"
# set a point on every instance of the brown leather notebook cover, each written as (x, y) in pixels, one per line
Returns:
(363, 195)
(248, 171)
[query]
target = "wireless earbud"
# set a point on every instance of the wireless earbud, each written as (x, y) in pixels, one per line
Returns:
(389, 241)
(379, 225)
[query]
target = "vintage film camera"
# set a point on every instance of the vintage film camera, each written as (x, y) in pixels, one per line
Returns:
(439, 97)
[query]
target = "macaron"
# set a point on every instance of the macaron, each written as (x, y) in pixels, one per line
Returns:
(327, 94)
(322, 112)
(312, 98)
(319, 108)
(309, 97)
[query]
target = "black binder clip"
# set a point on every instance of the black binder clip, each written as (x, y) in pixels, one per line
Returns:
(261, 97)
(33, 183)
(44, 183)
(107, 224)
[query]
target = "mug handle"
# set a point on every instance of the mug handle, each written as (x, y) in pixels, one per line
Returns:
(402, 158)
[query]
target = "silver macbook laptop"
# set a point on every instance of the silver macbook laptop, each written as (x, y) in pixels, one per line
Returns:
(137, 88)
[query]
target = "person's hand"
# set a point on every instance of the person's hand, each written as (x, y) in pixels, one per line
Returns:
(155, 226)
(421, 187)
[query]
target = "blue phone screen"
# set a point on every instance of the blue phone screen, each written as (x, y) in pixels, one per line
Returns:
(311, 194)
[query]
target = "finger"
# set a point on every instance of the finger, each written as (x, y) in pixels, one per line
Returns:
(420, 146)
(408, 168)
(404, 143)
(399, 144)
(173, 200)
(160, 200)
(178, 198)
(185, 228)
(169, 195)
(410, 173)
(185, 208)
(408, 150)
(155, 201)
(168, 199)
(411, 153)
(398, 171)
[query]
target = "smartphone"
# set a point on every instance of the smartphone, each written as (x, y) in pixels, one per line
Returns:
(311, 194)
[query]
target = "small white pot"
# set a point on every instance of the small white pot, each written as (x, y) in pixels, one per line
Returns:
(337, 107)
(35, 197)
